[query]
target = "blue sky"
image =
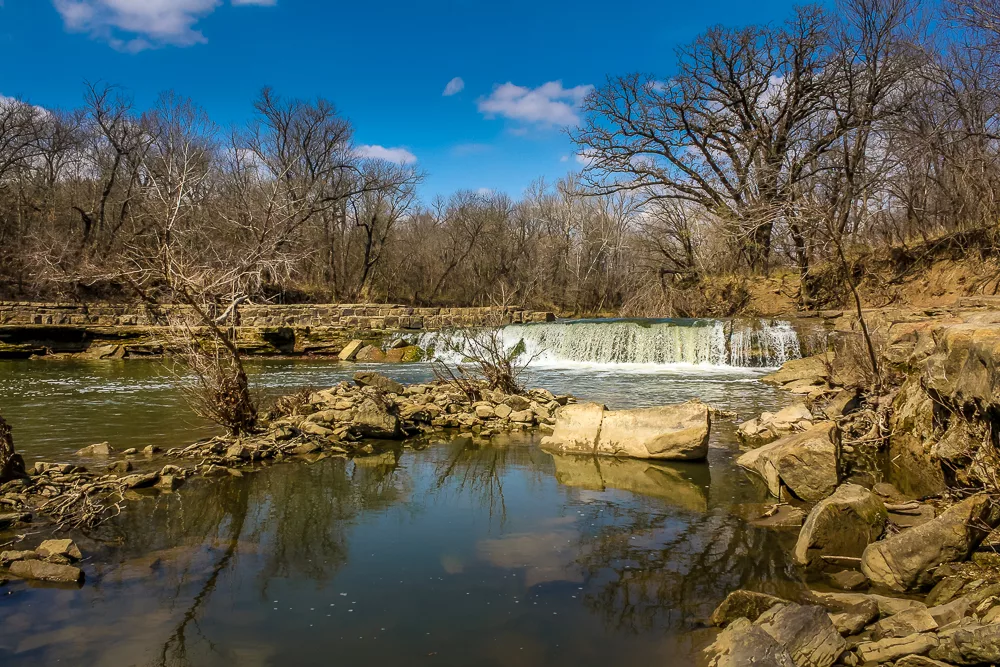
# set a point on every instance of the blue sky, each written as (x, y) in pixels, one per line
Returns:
(523, 66)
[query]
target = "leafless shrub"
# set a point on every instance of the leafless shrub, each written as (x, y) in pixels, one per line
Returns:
(218, 388)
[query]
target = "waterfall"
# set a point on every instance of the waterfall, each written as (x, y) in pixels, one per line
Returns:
(736, 343)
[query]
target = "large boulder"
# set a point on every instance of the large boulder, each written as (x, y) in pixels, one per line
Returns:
(841, 525)
(577, 427)
(669, 432)
(379, 381)
(907, 560)
(806, 631)
(375, 418)
(815, 369)
(807, 463)
(743, 643)
(915, 470)
(771, 426)
(970, 646)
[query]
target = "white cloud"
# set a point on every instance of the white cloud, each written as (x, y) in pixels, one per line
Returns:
(549, 104)
(586, 157)
(136, 25)
(454, 87)
(398, 155)
(564, 158)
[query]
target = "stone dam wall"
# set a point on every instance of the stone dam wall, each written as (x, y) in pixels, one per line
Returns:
(124, 330)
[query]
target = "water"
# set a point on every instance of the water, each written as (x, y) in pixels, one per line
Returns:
(641, 344)
(448, 552)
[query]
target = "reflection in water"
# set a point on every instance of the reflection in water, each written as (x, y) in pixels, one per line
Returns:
(464, 552)
(682, 486)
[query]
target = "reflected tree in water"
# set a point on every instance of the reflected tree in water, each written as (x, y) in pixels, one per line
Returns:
(647, 570)
(480, 468)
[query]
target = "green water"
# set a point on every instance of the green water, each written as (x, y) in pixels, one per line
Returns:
(439, 552)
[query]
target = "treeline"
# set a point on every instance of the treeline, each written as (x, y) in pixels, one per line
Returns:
(807, 144)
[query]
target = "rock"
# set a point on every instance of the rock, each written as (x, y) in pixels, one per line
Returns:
(65, 548)
(970, 646)
(806, 463)
(919, 661)
(131, 451)
(522, 416)
(374, 418)
(8, 557)
(806, 632)
(169, 482)
(100, 449)
(140, 481)
(316, 429)
(517, 403)
(503, 411)
(669, 432)
(950, 612)
(785, 516)
(887, 606)
(120, 467)
(892, 648)
(841, 525)
(238, 450)
(306, 448)
(743, 604)
(404, 354)
(912, 431)
(370, 353)
(906, 560)
(577, 428)
(944, 591)
(771, 426)
(844, 403)
(847, 580)
(351, 350)
(813, 368)
(905, 623)
(854, 619)
(379, 381)
(484, 412)
(43, 571)
(743, 643)
(151, 449)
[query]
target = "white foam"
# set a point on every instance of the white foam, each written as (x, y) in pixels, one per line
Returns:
(643, 346)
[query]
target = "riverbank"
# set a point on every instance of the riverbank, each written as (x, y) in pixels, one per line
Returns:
(889, 481)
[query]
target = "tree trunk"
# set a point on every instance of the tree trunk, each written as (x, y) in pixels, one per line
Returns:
(11, 463)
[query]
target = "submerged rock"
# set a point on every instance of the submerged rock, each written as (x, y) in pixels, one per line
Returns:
(807, 463)
(100, 449)
(841, 525)
(907, 560)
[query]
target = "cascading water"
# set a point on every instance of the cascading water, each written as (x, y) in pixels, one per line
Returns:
(734, 343)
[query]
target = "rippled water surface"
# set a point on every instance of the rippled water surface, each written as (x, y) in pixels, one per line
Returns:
(449, 552)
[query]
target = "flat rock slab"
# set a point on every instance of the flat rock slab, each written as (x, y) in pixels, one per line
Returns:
(893, 648)
(841, 525)
(669, 432)
(42, 571)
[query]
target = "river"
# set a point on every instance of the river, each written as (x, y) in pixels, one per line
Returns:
(442, 552)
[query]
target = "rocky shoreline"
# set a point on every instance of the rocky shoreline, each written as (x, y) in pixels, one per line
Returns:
(356, 419)
(920, 557)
